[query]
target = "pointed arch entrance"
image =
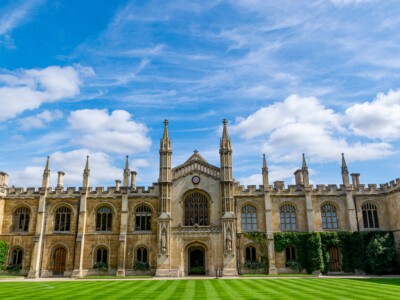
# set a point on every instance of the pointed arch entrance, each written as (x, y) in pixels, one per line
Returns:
(60, 255)
(196, 260)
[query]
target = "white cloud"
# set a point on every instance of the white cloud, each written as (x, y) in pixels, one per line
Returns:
(73, 164)
(39, 120)
(14, 16)
(303, 125)
(341, 3)
(292, 110)
(377, 119)
(29, 89)
(115, 132)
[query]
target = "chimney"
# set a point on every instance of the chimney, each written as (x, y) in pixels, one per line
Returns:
(3, 179)
(298, 177)
(117, 185)
(355, 178)
(133, 180)
(60, 179)
(279, 184)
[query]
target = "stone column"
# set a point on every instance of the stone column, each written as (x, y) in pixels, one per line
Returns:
(122, 236)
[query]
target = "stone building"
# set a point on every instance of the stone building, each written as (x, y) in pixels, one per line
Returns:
(192, 221)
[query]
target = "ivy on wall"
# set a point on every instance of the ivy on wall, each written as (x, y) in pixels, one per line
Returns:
(261, 240)
(3, 254)
(372, 252)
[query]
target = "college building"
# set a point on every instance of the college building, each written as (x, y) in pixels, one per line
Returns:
(194, 220)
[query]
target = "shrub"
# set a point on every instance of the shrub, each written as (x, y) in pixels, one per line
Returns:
(141, 266)
(14, 268)
(381, 254)
(253, 265)
(101, 266)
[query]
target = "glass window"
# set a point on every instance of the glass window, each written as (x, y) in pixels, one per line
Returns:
(16, 257)
(196, 209)
(329, 217)
(290, 255)
(249, 218)
(103, 219)
(21, 219)
(288, 217)
(251, 254)
(62, 219)
(370, 216)
(143, 218)
(102, 256)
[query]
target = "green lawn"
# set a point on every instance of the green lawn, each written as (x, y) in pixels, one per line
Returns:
(297, 288)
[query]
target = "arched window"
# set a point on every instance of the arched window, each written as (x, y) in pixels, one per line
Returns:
(21, 219)
(16, 257)
(104, 219)
(288, 217)
(102, 256)
(249, 218)
(329, 217)
(370, 216)
(141, 255)
(290, 254)
(143, 218)
(196, 209)
(62, 219)
(251, 254)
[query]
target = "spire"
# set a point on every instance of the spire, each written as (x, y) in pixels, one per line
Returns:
(165, 144)
(225, 140)
(345, 172)
(46, 173)
(86, 173)
(127, 172)
(304, 170)
(304, 166)
(264, 166)
(265, 174)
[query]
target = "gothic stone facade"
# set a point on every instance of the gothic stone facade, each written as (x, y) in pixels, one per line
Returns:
(192, 221)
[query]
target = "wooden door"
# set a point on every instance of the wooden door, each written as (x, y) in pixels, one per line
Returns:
(59, 261)
(334, 264)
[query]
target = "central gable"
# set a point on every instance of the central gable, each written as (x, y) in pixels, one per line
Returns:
(195, 163)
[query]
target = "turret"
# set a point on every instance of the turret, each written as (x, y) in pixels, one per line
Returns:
(46, 174)
(126, 172)
(304, 169)
(86, 174)
(3, 179)
(60, 179)
(265, 174)
(345, 172)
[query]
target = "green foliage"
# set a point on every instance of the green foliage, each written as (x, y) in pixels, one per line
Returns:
(141, 266)
(14, 268)
(294, 265)
(381, 254)
(253, 265)
(261, 240)
(372, 252)
(101, 266)
(197, 270)
(3, 254)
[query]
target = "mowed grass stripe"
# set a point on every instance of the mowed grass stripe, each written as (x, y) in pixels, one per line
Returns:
(267, 288)
(205, 289)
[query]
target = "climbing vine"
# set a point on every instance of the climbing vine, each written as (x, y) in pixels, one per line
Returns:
(261, 240)
(3, 254)
(372, 252)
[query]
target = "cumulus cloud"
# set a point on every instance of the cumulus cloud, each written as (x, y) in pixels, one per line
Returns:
(298, 125)
(73, 164)
(29, 89)
(111, 133)
(39, 120)
(378, 119)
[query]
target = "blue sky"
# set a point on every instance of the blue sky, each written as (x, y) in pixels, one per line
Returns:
(98, 78)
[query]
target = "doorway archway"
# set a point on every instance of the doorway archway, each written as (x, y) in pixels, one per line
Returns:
(59, 261)
(196, 260)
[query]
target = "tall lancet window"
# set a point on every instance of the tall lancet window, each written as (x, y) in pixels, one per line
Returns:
(370, 216)
(196, 209)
